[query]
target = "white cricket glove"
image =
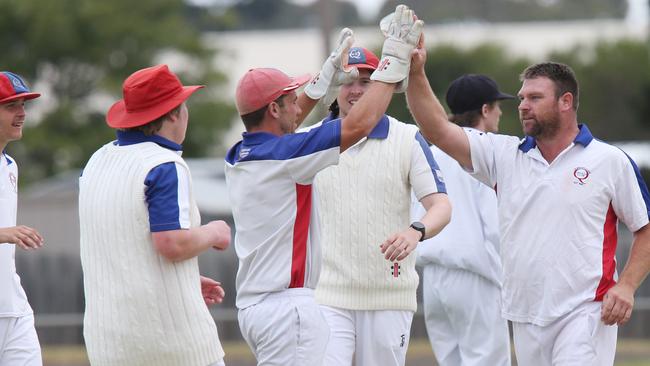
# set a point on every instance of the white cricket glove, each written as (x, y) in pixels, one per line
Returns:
(402, 34)
(335, 71)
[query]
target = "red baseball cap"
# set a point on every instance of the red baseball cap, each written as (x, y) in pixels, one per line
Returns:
(148, 94)
(362, 58)
(13, 87)
(259, 87)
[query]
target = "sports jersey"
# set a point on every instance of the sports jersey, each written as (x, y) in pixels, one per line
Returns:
(13, 302)
(269, 181)
(558, 220)
(471, 239)
(167, 192)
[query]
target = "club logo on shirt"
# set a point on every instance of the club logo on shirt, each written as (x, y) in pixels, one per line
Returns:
(14, 182)
(403, 337)
(581, 174)
(244, 153)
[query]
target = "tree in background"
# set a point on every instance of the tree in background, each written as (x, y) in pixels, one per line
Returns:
(79, 51)
(447, 62)
(614, 84)
(266, 14)
(614, 88)
(510, 10)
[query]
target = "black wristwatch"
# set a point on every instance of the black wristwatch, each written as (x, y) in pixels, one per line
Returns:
(417, 225)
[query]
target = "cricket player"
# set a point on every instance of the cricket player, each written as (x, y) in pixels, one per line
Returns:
(18, 340)
(141, 234)
(269, 175)
(561, 193)
(461, 267)
(367, 292)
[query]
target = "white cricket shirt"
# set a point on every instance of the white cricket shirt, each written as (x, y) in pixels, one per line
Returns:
(269, 181)
(558, 221)
(13, 301)
(471, 239)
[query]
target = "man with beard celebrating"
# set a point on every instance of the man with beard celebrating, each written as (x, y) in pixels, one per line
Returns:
(560, 195)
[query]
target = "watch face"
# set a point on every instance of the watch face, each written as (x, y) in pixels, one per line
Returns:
(418, 225)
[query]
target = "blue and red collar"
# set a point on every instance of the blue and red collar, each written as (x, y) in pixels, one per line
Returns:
(583, 138)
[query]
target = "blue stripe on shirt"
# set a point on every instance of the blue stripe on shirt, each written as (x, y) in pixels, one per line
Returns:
(642, 185)
(266, 146)
(162, 198)
(440, 185)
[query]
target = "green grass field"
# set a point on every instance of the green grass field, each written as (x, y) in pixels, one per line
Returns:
(630, 352)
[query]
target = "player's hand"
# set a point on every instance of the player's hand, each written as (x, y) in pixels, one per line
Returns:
(398, 246)
(334, 72)
(617, 304)
(212, 291)
(403, 31)
(23, 236)
(418, 57)
(220, 232)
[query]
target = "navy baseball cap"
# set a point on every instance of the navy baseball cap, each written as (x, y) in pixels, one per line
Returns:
(469, 92)
(13, 87)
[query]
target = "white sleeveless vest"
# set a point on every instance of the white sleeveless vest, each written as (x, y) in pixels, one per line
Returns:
(361, 202)
(141, 308)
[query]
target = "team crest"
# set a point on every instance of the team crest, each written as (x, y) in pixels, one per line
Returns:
(581, 174)
(14, 182)
(355, 54)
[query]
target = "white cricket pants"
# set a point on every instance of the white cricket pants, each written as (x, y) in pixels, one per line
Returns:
(462, 312)
(19, 343)
(578, 338)
(367, 337)
(286, 328)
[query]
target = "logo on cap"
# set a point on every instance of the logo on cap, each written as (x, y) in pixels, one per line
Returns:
(18, 84)
(355, 53)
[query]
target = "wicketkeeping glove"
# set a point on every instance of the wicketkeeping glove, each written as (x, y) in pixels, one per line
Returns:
(402, 33)
(335, 71)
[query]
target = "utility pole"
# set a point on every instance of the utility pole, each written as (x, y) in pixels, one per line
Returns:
(326, 12)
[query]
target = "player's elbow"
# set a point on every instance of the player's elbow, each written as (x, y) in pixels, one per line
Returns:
(168, 245)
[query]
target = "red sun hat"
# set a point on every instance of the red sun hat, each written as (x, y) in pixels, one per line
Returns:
(259, 87)
(148, 94)
(13, 87)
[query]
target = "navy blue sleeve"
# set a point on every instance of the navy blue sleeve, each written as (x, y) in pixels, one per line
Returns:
(167, 209)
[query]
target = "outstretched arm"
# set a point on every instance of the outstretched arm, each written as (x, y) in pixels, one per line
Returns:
(431, 116)
(334, 73)
(402, 36)
(619, 300)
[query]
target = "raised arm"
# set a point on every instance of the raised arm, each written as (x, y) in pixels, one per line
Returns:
(402, 36)
(429, 114)
(334, 73)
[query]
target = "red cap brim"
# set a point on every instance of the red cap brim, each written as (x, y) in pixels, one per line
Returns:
(119, 117)
(297, 82)
(26, 96)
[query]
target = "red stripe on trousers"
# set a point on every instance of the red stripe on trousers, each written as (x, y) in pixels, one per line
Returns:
(610, 239)
(300, 234)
